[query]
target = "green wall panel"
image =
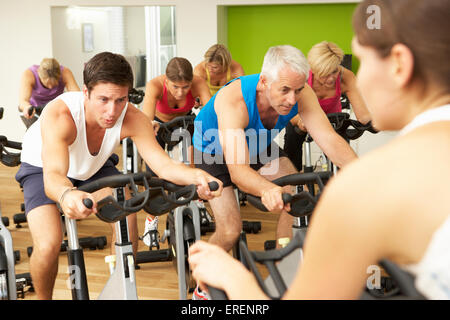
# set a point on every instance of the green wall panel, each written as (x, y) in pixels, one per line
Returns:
(253, 29)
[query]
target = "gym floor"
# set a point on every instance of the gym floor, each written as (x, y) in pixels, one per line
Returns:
(157, 280)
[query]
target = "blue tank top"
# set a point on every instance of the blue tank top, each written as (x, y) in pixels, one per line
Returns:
(206, 137)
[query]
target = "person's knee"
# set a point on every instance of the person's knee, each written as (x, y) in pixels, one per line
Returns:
(229, 233)
(47, 249)
(46, 232)
(287, 166)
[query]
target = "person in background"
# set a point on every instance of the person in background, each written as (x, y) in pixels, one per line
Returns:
(398, 209)
(234, 139)
(329, 80)
(42, 83)
(168, 96)
(218, 68)
(71, 144)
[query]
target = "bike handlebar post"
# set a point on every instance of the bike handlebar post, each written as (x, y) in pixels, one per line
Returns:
(72, 233)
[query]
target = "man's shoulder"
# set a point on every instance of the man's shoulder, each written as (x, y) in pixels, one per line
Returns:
(133, 115)
(71, 98)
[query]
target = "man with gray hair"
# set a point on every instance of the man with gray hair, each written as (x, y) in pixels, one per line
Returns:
(234, 132)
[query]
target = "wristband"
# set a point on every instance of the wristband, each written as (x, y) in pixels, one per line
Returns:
(61, 199)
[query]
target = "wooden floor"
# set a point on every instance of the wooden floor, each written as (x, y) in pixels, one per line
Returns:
(155, 281)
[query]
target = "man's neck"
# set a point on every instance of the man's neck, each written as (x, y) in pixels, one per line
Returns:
(267, 113)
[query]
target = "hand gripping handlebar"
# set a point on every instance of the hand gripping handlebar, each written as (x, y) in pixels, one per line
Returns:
(302, 203)
(159, 196)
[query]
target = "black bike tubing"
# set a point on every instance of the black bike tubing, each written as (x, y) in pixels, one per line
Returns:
(80, 289)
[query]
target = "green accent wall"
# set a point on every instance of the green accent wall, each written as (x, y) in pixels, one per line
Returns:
(253, 29)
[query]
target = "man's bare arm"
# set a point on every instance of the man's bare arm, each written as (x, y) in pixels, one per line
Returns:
(139, 129)
(152, 92)
(232, 118)
(26, 89)
(358, 104)
(320, 129)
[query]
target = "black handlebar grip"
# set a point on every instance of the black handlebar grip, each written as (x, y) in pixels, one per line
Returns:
(88, 203)
(213, 185)
(30, 111)
(287, 198)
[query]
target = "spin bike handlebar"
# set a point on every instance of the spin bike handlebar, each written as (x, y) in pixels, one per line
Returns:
(353, 129)
(347, 128)
(159, 196)
(36, 109)
(166, 129)
(136, 96)
(302, 203)
(9, 159)
(269, 258)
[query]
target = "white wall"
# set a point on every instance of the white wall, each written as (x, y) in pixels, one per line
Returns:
(26, 33)
(25, 30)
(67, 34)
(67, 37)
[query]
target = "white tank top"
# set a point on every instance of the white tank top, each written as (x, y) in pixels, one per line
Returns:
(82, 164)
(433, 271)
(432, 115)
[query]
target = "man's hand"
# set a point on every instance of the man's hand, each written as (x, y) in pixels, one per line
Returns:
(26, 110)
(202, 179)
(156, 126)
(273, 201)
(301, 125)
(73, 207)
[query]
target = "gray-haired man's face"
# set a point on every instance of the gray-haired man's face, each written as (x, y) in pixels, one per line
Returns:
(284, 92)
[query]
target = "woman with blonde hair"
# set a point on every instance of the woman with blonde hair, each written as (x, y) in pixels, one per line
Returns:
(398, 208)
(42, 83)
(218, 68)
(329, 80)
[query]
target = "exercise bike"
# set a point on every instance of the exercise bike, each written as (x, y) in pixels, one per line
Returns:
(184, 223)
(402, 280)
(12, 285)
(302, 206)
(348, 129)
(158, 197)
(283, 263)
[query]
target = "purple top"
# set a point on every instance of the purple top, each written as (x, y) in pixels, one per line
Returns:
(41, 95)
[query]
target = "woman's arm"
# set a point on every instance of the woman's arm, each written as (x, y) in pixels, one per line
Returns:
(211, 265)
(351, 90)
(153, 92)
(200, 71)
(320, 129)
(236, 70)
(350, 231)
(200, 89)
